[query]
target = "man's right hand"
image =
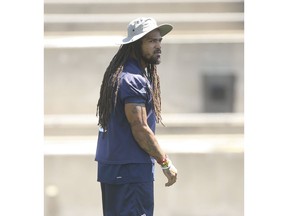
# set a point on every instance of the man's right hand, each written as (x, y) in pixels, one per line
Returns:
(171, 174)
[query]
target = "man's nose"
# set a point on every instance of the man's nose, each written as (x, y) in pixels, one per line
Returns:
(158, 45)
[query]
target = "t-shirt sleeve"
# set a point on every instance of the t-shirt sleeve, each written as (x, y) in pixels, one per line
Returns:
(133, 89)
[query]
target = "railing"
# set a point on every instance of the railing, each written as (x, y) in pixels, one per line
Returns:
(86, 125)
(190, 15)
(77, 134)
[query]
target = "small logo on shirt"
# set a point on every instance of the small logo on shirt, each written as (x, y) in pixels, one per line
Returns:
(142, 91)
(102, 130)
(119, 177)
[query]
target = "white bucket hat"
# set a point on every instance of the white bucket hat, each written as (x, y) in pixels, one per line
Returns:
(143, 25)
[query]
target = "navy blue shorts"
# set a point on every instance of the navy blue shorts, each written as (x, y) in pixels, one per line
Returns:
(132, 199)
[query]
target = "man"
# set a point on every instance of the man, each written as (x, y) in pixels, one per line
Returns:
(129, 108)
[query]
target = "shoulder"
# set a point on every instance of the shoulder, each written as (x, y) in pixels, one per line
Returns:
(132, 79)
(132, 85)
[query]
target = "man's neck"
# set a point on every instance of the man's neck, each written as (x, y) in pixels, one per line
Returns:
(143, 64)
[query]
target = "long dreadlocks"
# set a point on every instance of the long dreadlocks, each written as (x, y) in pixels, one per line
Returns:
(110, 84)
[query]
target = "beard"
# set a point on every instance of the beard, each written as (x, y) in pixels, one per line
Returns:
(154, 59)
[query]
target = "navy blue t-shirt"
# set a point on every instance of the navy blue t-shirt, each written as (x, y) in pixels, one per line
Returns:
(120, 158)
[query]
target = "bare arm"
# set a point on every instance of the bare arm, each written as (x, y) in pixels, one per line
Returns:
(137, 117)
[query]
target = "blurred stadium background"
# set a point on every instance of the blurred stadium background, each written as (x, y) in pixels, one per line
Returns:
(202, 80)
